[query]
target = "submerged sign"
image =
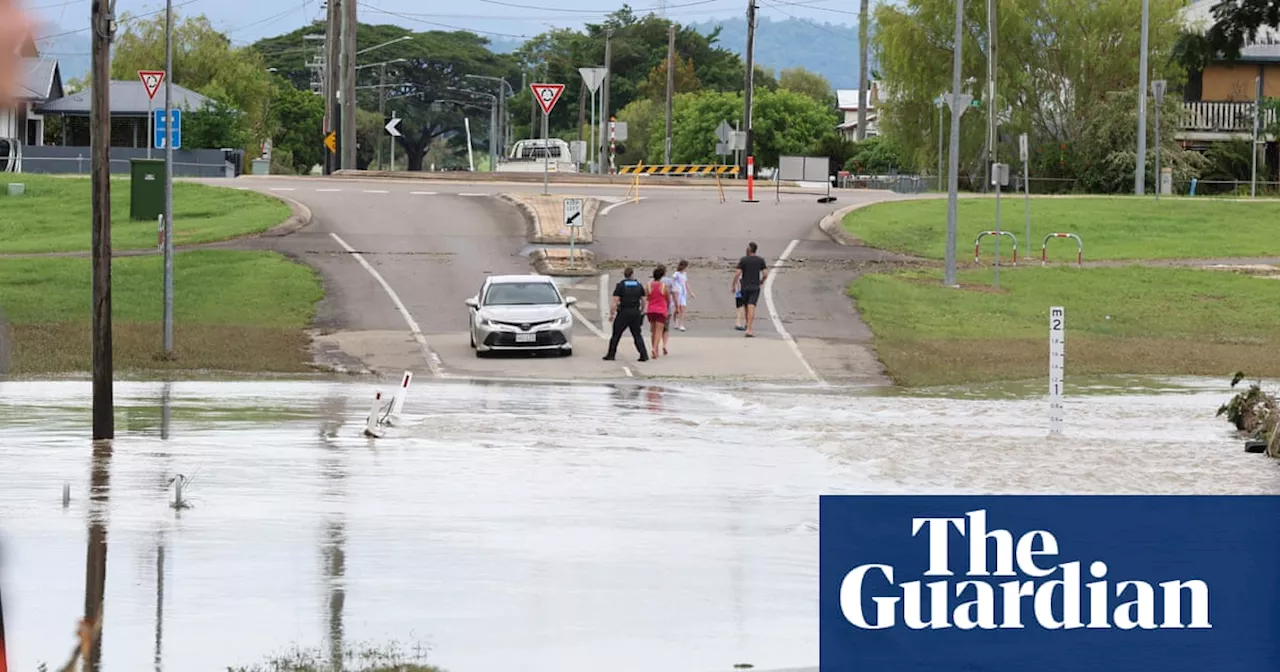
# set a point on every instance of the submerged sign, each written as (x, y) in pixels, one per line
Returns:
(1054, 583)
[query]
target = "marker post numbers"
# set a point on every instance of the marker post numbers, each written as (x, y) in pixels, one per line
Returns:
(1057, 361)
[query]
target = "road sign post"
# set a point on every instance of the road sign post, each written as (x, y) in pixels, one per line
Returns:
(1024, 153)
(547, 96)
(393, 129)
(593, 78)
(151, 81)
(1000, 178)
(572, 220)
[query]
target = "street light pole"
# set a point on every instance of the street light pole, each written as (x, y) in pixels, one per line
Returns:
(1140, 174)
(953, 161)
(168, 178)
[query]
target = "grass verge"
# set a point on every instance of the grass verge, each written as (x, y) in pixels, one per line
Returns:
(54, 215)
(234, 311)
(1126, 320)
(1111, 228)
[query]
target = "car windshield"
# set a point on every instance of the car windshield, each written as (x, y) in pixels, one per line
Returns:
(521, 294)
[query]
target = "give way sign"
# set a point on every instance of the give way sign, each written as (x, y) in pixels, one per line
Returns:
(151, 80)
(547, 95)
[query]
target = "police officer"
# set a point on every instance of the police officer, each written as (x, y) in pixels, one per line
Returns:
(627, 312)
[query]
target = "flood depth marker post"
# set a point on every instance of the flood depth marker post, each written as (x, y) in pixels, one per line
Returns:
(1057, 366)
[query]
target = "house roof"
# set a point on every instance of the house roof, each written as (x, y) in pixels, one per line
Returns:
(39, 75)
(847, 99)
(1198, 17)
(128, 98)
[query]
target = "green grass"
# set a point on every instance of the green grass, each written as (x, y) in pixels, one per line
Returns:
(55, 215)
(241, 311)
(1125, 320)
(1111, 227)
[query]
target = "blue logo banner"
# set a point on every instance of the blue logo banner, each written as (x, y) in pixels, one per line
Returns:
(1050, 583)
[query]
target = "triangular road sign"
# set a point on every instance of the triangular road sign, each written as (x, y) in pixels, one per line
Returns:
(151, 80)
(724, 132)
(547, 95)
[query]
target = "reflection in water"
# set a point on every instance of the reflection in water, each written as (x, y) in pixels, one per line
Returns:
(165, 394)
(96, 560)
(159, 598)
(653, 395)
(333, 551)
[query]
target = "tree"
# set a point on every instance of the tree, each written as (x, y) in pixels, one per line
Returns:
(1237, 22)
(298, 118)
(686, 80)
(205, 62)
(639, 116)
(807, 83)
(785, 123)
(1058, 61)
(876, 155)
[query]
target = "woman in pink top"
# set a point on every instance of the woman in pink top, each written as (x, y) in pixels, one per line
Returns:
(659, 298)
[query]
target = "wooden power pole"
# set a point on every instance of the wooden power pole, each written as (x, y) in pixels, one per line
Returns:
(332, 63)
(750, 83)
(671, 86)
(349, 25)
(102, 22)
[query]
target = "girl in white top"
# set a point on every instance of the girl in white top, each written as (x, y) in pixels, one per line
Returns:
(680, 297)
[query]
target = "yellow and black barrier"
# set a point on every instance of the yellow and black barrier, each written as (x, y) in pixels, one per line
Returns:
(642, 169)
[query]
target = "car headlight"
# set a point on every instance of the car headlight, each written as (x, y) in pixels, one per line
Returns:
(484, 322)
(563, 321)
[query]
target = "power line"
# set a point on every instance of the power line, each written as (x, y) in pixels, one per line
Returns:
(814, 5)
(269, 19)
(593, 11)
(804, 21)
(130, 20)
(445, 25)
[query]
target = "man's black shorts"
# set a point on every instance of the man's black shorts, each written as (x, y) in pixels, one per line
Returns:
(750, 296)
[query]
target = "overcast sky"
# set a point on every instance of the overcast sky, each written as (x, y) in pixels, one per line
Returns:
(249, 20)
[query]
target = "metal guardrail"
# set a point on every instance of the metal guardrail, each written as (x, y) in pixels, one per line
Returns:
(84, 163)
(678, 169)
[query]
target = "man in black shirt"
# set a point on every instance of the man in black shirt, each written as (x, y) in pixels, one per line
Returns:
(627, 312)
(750, 276)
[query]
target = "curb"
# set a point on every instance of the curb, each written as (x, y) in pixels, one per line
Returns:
(533, 231)
(530, 216)
(299, 218)
(833, 225)
(585, 266)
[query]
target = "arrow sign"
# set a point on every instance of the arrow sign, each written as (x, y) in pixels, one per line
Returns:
(331, 142)
(724, 132)
(151, 80)
(573, 212)
(547, 95)
(391, 127)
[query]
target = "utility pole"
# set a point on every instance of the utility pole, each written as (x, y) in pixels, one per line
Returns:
(671, 86)
(168, 178)
(102, 21)
(750, 76)
(1139, 186)
(991, 90)
(601, 153)
(862, 70)
(332, 62)
(349, 25)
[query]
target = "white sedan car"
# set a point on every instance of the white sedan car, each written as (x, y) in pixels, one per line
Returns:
(520, 312)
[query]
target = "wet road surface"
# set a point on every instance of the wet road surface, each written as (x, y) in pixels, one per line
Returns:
(536, 527)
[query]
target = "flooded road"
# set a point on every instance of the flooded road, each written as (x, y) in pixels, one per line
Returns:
(532, 527)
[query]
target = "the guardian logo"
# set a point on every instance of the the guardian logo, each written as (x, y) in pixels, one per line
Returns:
(1038, 590)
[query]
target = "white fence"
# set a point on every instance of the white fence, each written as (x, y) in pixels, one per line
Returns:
(1222, 117)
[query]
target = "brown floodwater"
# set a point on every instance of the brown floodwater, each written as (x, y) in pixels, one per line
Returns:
(519, 526)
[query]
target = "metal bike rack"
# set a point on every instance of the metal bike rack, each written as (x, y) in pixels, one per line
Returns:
(977, 245)
(1079, 247)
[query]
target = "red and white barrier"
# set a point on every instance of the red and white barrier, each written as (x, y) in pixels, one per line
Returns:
(1044, 258)
(751, 179)
(977, 245)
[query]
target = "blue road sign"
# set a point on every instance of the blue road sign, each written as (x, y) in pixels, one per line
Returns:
(158, 117)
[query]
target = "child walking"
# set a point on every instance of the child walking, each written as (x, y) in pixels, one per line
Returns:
(741, 322)
(656, 311)
(683, 292)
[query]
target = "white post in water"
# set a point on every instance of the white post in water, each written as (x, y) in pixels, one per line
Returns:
(1057, 361)
(66, 495)
(178, 482)
(371, 424)
(397, 402)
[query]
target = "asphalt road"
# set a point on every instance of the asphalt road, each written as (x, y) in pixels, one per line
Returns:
(432, 244)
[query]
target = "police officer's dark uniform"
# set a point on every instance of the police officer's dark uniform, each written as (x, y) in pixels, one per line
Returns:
(631, 294)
